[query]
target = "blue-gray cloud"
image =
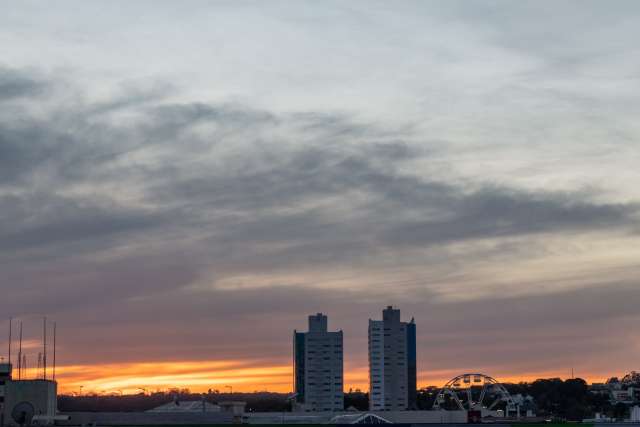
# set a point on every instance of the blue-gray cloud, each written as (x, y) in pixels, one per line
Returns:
(16, 83)
(117, 211)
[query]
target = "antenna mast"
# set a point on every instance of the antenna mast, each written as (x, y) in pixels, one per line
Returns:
(44, 352)
(20, 367)
(54, 350)
(10, 337)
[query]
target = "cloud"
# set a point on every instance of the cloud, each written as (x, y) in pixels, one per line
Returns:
(280, 189)
(501, 212)
(18, 84)
(493, 335)
(147, 221)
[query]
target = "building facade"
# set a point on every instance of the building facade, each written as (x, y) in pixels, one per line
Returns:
(5, 377)
(22, 401)
(318, 367)
(392, 363)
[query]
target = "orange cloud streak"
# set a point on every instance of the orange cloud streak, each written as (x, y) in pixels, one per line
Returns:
(199, 376)
(195, 375)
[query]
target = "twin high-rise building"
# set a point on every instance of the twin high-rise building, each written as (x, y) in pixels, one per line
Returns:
(392, 363)
(318, 365)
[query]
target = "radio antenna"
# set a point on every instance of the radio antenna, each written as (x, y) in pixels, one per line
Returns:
(10, 337)
(44, 350)
(54, 350)
(20, 362)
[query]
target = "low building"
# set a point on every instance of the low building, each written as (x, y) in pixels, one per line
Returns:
(27, 402)
(626, 396)
(5, 376)
(625, 391)
(26, 399)
(525, 405)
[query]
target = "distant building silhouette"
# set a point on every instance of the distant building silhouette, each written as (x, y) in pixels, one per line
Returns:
(392, 363)
(318, 367)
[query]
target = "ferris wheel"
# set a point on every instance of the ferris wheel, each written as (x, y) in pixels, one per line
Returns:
(468, 392)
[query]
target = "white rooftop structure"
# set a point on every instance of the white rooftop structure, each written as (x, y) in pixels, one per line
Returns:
(362, 418)
(187, 406)
(347, 417)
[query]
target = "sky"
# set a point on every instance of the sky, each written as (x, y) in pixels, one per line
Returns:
(183, 183)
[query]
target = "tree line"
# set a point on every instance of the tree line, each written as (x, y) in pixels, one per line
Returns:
(564, 399)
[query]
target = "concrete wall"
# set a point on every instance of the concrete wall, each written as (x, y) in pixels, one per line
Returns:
(396, 417)
(423, 417)
(145, 418)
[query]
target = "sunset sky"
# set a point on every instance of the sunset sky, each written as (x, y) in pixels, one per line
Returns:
(183, 183)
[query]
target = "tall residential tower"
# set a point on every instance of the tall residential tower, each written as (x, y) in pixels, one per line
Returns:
(318, 367)
(392, 363)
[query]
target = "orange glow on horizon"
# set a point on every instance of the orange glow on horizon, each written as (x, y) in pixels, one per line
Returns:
(200, 376)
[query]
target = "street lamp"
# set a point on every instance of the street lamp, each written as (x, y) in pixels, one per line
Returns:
(289, 398)
(230, 388)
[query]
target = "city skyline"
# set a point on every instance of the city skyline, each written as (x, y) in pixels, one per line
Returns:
(182, 183)
(201, 376)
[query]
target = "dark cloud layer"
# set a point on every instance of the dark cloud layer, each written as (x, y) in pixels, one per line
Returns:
(17, 84)
(135, 215)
